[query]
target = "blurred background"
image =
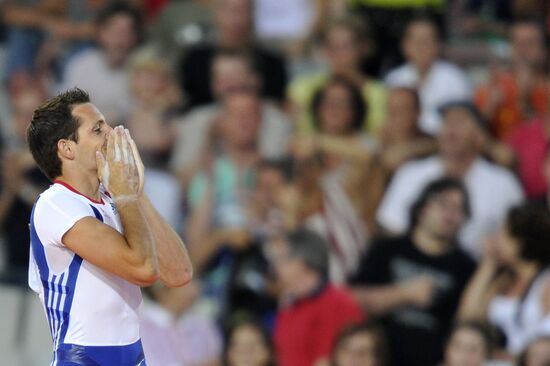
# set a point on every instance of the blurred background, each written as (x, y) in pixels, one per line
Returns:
(358, 182)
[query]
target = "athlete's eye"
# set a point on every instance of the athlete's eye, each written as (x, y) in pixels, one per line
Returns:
(97, 131)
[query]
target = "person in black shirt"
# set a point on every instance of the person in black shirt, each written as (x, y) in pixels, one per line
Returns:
(415, 282)
(234, 22)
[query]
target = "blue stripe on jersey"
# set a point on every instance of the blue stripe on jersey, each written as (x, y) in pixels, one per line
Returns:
(74, 268)
(97, 213)
(71, 354)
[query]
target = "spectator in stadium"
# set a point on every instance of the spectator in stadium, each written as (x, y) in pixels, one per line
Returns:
(118, 31)
(362, 344)
(469, 344)
(345, 44)
(306, 297)
(492, 189)
(511, 97)
(401, 139)
(425, 71)
(414, 282)
(34, 26)
(22, 182)
(174, 333)
(231, 71)
(248, 344)
(335, 164)
(511, 286)
(235, 31)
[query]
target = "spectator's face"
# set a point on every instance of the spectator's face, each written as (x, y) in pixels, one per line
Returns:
(234, 20)
(527, 45)
(117, 37)
(421, 44)
(148, 83)
(538, 353)
(466, 348)
(443, 214)
(23, 106)
(230, 74)
(288, 269)
(247, 348)
(460, 135)
(335, 110)
(507, 247)
(343, 50)
(241, 119)
(357, 350)
(402, 113)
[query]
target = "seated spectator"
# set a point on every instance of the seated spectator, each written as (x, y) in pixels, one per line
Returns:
(469, 344)
(362, 344)
(401, 138)
(537, 353)
(103, 71)
(529, 142)
(344, 44)
(515, 299)
(35, 26)
(156, 103)
(414, 282)
(511, 97)
(334, 166)
(492, 189)
(425, 71)
(388, 19)
(248, 344)
(234, 23)
(312, 311)
(22, 182)
(174, 333)
(231, 71)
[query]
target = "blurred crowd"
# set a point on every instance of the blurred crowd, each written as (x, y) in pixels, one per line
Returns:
(358, 182)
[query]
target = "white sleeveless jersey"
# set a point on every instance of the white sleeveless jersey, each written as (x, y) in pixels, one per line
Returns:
(84, 304)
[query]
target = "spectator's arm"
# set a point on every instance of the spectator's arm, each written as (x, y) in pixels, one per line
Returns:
(478, 293)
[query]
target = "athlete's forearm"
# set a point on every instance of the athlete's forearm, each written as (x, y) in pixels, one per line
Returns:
(174, 263)
(142, 255)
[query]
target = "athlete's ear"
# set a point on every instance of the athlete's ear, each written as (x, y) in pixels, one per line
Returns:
(65, 149)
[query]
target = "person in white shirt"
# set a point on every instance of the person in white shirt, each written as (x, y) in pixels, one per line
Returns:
(95, 237)
(103, 71)
(492, 189)
(437, 81)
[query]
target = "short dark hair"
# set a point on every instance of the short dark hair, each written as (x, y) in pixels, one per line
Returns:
(247, 320)
(119, 7)
(311, 248)
(51, 122)
(381, 347)
(529, 223)
(430, 191)
(358, 104)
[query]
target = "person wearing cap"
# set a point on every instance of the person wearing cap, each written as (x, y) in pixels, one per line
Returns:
(312, 311)
(461, 142)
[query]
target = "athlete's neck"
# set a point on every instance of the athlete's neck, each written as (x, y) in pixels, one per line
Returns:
(87, 186)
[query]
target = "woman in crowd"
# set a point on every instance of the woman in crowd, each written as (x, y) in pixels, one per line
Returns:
(512, 282)
(248, 344)
(360, 345)
(469, 344)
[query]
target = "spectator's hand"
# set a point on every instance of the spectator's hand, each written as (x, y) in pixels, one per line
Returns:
(12, 173)
(489, 252)
(396, 155)
(303, 147)
(419, 291)
(118, 170)
(235, 238)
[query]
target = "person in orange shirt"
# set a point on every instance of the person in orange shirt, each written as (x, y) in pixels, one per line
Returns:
(513, 96)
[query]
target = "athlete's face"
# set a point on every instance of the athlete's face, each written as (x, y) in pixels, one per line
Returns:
(92, 134)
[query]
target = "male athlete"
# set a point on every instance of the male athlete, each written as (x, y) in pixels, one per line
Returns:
(95, 237)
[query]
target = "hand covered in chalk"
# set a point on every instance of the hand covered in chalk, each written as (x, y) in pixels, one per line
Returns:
(118, 170)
